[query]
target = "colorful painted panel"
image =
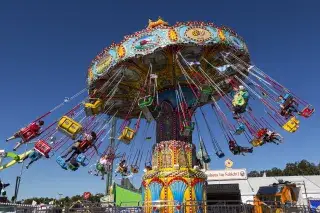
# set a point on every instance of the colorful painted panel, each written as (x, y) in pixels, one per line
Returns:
(148, 40)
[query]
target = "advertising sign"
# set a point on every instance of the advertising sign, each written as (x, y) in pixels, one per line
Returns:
(228, 174)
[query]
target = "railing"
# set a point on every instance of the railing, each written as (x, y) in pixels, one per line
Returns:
(165, 206)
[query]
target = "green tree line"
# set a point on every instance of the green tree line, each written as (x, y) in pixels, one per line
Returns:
(303, 167)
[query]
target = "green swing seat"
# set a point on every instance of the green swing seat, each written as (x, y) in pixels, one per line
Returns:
(145, 104)
(146, 101)
(100, 167)
(73, 167)
(206, 92)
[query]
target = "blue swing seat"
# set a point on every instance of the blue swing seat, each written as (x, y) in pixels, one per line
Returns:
(285, 97)
(206, 159)
(62, 163)
(83, 160)
(240, 129)
(35, 156)
(220, 154)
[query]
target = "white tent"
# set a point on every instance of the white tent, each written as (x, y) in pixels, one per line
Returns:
(309, 185)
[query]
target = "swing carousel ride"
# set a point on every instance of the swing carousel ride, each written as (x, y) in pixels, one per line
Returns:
(166, 78)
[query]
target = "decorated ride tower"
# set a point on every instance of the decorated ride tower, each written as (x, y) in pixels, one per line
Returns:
(158, 74)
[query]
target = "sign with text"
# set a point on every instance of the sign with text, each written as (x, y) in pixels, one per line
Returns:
(228, 174)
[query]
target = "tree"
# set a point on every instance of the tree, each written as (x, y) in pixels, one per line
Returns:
(303, 167)
(254, 174)
(274, 172)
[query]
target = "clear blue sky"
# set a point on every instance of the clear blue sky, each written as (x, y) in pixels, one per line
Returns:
(46, 47)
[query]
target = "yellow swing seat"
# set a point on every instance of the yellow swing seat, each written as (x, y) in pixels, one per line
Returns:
(127, 135)
(69, 127)
(256, 142)
(292, 124)
(93, 108)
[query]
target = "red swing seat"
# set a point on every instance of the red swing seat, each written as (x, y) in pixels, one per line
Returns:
(84, 145)
(27, 134)
(307, 111)
(260, 133)
(42, 147)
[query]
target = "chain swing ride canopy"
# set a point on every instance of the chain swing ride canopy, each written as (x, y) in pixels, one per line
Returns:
(157, 49)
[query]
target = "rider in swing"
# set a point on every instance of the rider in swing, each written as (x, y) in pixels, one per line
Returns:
(288, 106)
(34, 127)
(272, 137)
(240, 101)
(34, 156)
(148, 166)
(103, 166)
(81, 146)
(122, 168)
(237, 150)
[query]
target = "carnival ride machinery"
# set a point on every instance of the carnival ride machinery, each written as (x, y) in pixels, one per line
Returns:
(173, 78)
(166, 73)
(276, 197)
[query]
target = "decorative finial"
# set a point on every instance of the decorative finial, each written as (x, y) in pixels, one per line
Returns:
(159, 22)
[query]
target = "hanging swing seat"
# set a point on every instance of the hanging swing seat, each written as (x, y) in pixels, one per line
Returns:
(82, 160)
(206, 159)
(27, 134)
(134, 169)
(145, 106)
(62, 163)
(35, 155)
(238, 101)
(286, 97)
(206, 92)
(85, 145)
(93, 108)
(69, 127)
(257, 142)
(148, 166)
(42, 147)
(307, 111)
(235, 151)
(220, 154)
(291, 125)
(11, 155)
(123, 170)
(100, 167)
(240, 98)
(240, 129)
(127, 135)
(73, 166)
(146, 101)
(187, 129)
(261, 133)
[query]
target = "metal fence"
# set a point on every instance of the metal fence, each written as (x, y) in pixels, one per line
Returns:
(163, 206)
